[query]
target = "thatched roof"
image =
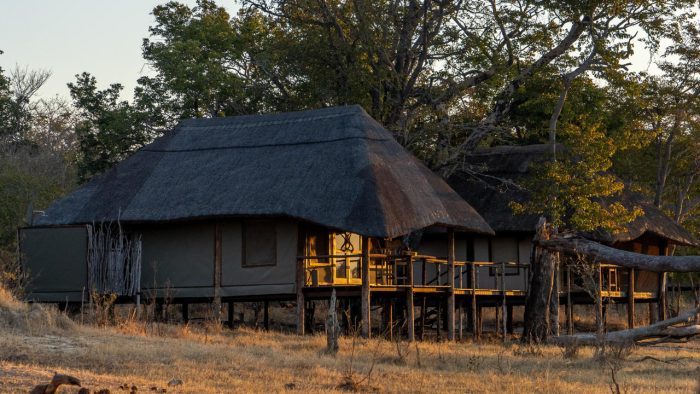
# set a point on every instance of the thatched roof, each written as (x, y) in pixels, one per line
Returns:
(336, 167)
(491, 197)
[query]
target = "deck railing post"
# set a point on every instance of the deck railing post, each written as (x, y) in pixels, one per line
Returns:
(365, 296)
(451, 283)
(410, 317)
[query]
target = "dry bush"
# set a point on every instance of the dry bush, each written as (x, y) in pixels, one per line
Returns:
(32, 318)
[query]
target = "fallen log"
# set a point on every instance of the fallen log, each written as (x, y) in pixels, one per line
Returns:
(623, 258)
(662, 329)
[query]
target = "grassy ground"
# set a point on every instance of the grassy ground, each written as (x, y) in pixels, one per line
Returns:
(35, 343)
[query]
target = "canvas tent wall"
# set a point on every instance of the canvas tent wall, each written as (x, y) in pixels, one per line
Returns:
(178, 258)
(56, 261)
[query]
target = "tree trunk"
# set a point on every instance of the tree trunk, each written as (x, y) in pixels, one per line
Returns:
(539, 295)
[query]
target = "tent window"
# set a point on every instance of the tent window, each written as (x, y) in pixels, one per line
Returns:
(259, 243)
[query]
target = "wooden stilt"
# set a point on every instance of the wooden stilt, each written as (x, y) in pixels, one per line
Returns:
(301, 282)
(391, 319)
(569, 304)
(410, 317)
(230, 314)
(504, 306)
(474, 311)
(266, 316)
(438, 318)
(185, 313)
(366, 303)
(479, 322)
(460, 319)
(422, 318)
(451, 283)
(630, 299)
(509, 319)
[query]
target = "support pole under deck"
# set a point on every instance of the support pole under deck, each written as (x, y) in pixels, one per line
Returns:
(410, 317)
(630, 299)
(301, 281)
(451, 283)
(366, 321)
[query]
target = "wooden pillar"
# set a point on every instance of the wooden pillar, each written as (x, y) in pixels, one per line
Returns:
(230, 315)
(410, 317)
(301, 303)
(630, 299)
(185, 312)
(509, 319)
(423, 308)
(475, 313)
(365, 296)
(479, 322)
(504, 313)
(460, 319)
(266, 316)
(217, 272)
(438, 318)
(451, 283)
(569, 304)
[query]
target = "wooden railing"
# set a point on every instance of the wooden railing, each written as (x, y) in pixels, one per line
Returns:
(387, 270)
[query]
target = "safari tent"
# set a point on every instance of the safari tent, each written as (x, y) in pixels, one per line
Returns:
(243, 208)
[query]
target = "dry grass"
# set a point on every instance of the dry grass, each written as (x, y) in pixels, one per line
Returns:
(245, 360)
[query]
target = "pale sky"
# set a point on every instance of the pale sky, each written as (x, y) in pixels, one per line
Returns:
(101, 37)
(68, 37)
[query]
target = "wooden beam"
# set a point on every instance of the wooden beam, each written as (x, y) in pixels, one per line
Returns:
(630, 299)
(410, 314)
(185, 312)
(365, 296)
(451, 283)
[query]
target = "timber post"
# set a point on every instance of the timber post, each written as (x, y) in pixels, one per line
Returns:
(230, 314)
(185, 313)
(451, 282)
(474, 313)
(504, 312)
(569, 303)
(217, 272)
(301, 281)
(410, 317)
(630, 299)
(266, 316)
(365, 297)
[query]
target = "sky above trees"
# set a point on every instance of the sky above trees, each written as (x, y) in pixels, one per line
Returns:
(69, 37)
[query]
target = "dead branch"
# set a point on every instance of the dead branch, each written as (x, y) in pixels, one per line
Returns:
(662, 330)
(600, 252)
